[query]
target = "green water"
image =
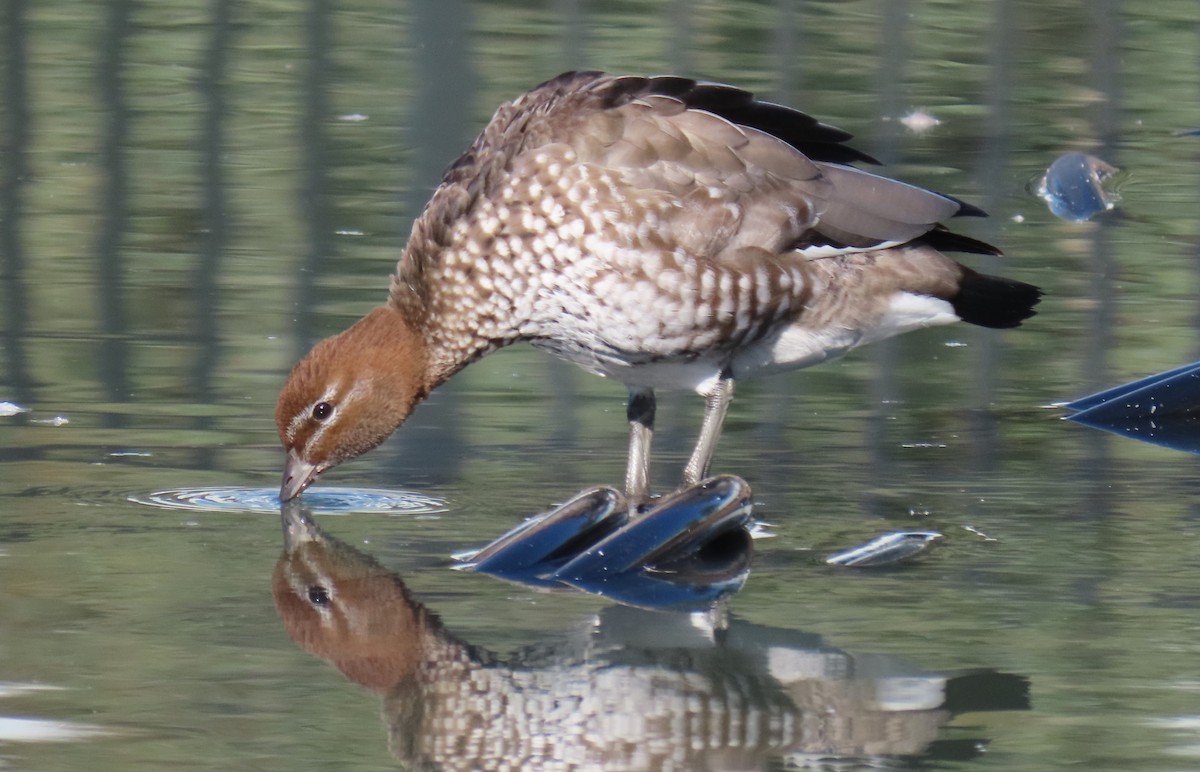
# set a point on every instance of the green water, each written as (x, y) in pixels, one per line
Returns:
(191, 193)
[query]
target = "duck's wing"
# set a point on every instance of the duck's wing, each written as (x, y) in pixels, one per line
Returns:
(738, 173)
(718, 171)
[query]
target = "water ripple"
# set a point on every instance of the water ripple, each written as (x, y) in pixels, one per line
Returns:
(324, 500)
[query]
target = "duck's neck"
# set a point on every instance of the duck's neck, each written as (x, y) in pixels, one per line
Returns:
(451, 326)
(389, 345)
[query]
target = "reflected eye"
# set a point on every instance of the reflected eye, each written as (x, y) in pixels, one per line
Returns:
(318, 595)
(322, 410)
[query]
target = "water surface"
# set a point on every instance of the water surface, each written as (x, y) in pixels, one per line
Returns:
(190, 194)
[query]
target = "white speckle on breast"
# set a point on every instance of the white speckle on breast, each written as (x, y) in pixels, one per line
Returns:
(762, 286)
(670, 282)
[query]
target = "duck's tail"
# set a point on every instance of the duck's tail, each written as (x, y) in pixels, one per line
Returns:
(994, 301)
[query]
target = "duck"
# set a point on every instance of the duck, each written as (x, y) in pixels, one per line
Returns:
(663, 232)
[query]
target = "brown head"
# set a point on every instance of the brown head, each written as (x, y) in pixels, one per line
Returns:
(348, 395)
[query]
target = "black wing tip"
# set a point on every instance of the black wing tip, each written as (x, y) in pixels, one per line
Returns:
(964, 209)
(994, 301)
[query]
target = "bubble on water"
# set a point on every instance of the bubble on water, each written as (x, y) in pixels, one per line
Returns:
(1074, 187)
(324, 500)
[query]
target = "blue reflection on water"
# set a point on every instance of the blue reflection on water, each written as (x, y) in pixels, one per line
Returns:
(324, 500)
(1163, 409)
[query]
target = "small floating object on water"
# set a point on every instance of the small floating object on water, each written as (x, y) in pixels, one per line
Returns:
(1188, 133)
(1073, 187)
(10, 409)
(325, 501)
(1162, 409)
(886, 550)
(920, 122)
(979, 533)
(58, 420)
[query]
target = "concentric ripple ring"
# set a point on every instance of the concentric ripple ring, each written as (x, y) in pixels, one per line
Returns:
(325, 500)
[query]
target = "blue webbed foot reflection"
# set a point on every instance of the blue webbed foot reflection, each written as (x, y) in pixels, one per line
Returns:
(687, 549)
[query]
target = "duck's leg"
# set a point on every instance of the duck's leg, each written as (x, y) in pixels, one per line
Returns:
(715, 406)
(641, 430)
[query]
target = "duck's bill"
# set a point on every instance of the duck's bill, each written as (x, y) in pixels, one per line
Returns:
(298, 474)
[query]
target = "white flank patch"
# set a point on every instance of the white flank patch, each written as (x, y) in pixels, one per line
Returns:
(910, 311)
(790, 348)
(826, 250)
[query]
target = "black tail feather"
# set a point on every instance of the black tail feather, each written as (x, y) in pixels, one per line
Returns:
(993, 301)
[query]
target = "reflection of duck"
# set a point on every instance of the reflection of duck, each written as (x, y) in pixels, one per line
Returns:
(659, 231)
(631, 690)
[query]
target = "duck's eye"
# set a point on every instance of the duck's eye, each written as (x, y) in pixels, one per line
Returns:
(322, 410)
(318, 595)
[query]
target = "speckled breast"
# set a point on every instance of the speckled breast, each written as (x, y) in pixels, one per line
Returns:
(575, 259)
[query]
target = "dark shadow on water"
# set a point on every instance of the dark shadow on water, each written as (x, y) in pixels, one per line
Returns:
(626, 689)
(987, 351)
(14, 145)
(112, 350)
(206, 336)
(313, 203)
